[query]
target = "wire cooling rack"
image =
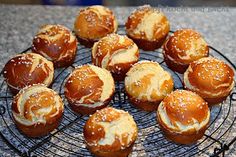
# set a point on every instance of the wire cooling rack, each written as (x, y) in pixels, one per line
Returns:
(68, 140)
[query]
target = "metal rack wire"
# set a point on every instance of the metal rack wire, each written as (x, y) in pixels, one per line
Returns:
(67, 140)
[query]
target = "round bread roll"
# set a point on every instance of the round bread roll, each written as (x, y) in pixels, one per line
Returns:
(146, 84)
(93, 23)
(148, 27)
(37, 110)
(27, 69)
(211, 78)
(183, 116)
(110, 132)
(89, 88)
(57, 44)
(115, 53)
(184, 47)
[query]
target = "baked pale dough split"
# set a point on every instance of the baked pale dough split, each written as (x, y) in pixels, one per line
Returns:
(183, 47)
(89, 88)
(116, 53)
(37, 110)
(146, 84)
(148, 27)
(110, 132)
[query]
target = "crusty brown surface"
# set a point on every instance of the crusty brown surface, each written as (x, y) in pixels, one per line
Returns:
(20, 72)
(209, 76)
(93, 132)
(136, 88)
(56, 43)
(176, 49)
(160, 30)
(186, 108)
(183, 138)
(32, 109)
(86, 42)
(111, 45)
(148, 45)
(84, 82)
(143, 104)
(93, 23)
(178, 67)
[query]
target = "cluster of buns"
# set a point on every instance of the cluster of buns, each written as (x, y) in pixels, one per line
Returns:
(186, 52)
(146, 84)
(110, 132)
(93, 23)
(115, 53)
(37, 110)
(56, 43)
(183, 115)
(146, 26)
(89, 88)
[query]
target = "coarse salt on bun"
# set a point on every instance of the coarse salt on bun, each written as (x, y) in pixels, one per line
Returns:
(183, 116)
(116, 53)
(146, 84)
(57, 44)
(183, 47)
(110, 132)
(211, 78)
(89, 88)
(148, 27)
(37, 110)
(93, 23)
(27, 69)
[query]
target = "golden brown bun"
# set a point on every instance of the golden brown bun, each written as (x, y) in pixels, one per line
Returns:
(110, 132)
(27, 69)
(89, 88)
(115, 53)
(147, 27)
(184, 47)
(37, 110)
(146, 84)
(183, 116)
(211, 78)
(56, 43)
(93, 23)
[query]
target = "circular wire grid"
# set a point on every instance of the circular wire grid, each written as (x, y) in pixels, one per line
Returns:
(68, 140)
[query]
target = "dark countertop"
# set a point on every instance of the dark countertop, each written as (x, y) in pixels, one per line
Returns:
(18, 24)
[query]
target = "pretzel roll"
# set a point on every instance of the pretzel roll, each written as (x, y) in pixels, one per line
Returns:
(93, 23)
(146, 84)
(56, 43)
(89, 88)
(148, 27)
(183, 116)
(37, 110)
(27, 69)
(211, 78)
(110, 132)
(184, 47)
(115, 53)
